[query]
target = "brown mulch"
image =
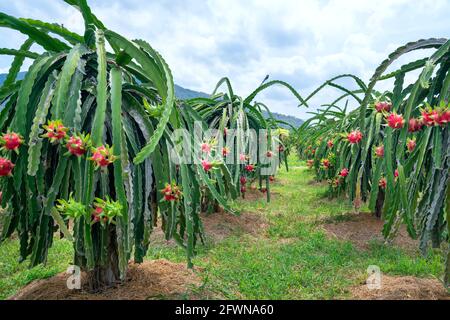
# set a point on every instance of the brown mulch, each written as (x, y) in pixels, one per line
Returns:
(317, 183)
(364, 228)
(220, 225)
(156, 279)
(402, 288)
(253, 194)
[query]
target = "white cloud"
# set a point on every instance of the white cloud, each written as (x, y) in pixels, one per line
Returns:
(302, 42)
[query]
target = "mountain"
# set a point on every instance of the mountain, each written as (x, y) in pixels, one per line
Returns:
(293, 121)
(4, 75)
(183, 93)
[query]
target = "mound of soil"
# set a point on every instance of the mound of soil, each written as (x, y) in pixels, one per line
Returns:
(220, 225)
(402, 288)
(364, 228)
(253, 194)
(157, 279)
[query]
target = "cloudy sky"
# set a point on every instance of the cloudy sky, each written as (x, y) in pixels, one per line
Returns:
(301, 42)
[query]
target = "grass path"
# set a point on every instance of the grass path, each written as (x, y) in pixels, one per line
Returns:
(291, 259)
(294, 259)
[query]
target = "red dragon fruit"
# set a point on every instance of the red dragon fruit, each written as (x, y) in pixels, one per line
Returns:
(97, 214)
(11, 141)
(280, 148)
(326, 164)
(78, 145)
(344, 172)
(249, 168)
(55, 131)
(396, 173)
(206, 148)
(6, 167)
(225, 151)
(171, 192)
(243, 157)
(330, 144)
(383, 106)
(207, 166)
(379, 151)
(269, 154)
(263, 190)
(411, 144)
(430, 117)
(243, 189)
(444, 117)
(395, 121)
(415, 125)
(382, 183)
(271, 178)
(102, 156)
(354, 137)
(243, 180)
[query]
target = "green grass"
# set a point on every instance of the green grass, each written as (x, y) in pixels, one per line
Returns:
(14, 275)
(293, 259)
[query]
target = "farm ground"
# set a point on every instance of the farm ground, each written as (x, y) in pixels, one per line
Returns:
(300, 246)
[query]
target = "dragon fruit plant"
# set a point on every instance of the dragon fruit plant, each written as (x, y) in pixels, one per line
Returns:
(396, 144)
(75, 100)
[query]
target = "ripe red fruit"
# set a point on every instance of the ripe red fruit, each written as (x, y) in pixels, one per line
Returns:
(263, 190)
(249, 168)
(411, 145)
(243, 189)
(225, 151)
(379, 151)
(6, 167)
(269, 154)
(430, 117)
(382, 183)
(326, 163)
(415, 125)
(206, 165)
(171, 192)
(271, 178)
(243, 180)
(330, 144)
(11, 141)
(354, 136)
(383, 106)
(344, 172)
(396, 173)
(96, 214)
(76, 146)
(102, 156)
(206, 148)
(55, 131)
(310, 163)
(444, 117)
(280, 148)
(395, 121)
